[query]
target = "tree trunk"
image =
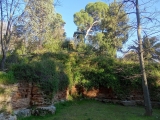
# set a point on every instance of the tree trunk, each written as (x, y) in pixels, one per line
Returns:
(2, 43)
(89, 29)
(3, 60)
(147, 102)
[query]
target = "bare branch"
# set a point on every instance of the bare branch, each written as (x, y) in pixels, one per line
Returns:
(57, 3)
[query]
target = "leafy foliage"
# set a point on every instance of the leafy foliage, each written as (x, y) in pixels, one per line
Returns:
(151, 48)
(93, 71)
(62, 64)
(58, 71)
(48, 75)
(7, 78)
(105, 27)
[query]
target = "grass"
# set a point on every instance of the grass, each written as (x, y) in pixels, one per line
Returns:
(94, 110)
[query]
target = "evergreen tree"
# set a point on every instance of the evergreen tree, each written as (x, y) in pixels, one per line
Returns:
(38, 17)
(151, 48)
(115, 27)
(88, 20)
(105, 28)
(56, 35)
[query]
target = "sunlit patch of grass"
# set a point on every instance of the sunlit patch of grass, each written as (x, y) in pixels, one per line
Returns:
(94, 110)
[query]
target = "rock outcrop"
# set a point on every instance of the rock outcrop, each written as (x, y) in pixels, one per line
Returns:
(5, 116)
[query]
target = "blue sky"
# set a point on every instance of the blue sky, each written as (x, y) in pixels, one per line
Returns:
(67, 10)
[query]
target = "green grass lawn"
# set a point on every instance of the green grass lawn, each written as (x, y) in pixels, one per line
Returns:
(94, 110)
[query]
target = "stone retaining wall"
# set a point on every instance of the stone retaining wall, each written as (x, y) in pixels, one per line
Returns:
(27, 95)
(21, 97)
(24, 95)
(106, 93)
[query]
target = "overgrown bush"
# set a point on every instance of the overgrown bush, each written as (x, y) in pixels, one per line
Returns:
(58, 71)
(153, 75)
(43, 71)
(100, 71)
(7, 78)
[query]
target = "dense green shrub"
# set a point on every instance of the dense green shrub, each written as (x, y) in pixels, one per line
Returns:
(153, 75)
(23, 72)
(44, 72)
(7, 78)
(100, 72)
(58, 71)
(104, 71)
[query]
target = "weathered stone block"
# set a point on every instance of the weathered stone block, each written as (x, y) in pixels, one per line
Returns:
(21, 103)
(4, 116)
(139, 102)
(22, 112)
(41, 111)
(128, 103)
